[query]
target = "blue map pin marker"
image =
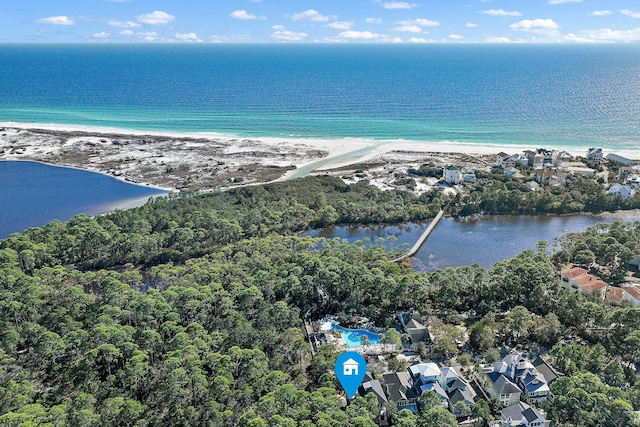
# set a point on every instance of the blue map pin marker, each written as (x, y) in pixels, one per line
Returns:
(350, 369)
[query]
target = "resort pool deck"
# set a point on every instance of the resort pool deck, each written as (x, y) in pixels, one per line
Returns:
(352, 336)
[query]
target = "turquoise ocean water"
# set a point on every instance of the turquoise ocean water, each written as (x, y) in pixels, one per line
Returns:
(538, 95)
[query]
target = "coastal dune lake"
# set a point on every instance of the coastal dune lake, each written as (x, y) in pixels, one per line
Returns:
(457, 242)
(33, 194)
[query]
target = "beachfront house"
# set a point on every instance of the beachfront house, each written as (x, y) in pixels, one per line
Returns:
(620, 159)
(541, 157)
(468, 175)
(452, 175)
(594, 154)
(620, 190)
(505, 160)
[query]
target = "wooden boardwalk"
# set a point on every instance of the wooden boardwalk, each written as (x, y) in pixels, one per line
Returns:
(411, 252)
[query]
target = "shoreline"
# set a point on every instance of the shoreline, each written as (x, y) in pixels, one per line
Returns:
(333, 145)
(207, 161)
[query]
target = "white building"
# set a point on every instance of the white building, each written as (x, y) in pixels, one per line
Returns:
(633, 182)
(621, 190)
(622, 160)
(594, 154)
(522, 415)
(452, 175)
(505, 160)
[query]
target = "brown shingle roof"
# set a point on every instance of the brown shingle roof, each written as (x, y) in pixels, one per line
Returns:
(614, 294)
(593, 285)
(574, 272)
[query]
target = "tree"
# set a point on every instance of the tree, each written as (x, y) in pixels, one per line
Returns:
(446, 339)
(428, 399)
(481, 412)
(547, 329)
(393, 337)
(437, 417)
(405, 418)
(519, 322)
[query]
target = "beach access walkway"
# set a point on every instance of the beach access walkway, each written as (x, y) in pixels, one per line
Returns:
(423, 237)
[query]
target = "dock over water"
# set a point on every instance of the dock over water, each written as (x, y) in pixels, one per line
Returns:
(411, 252)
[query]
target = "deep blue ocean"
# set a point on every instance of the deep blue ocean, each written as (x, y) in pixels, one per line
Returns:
(571, 96)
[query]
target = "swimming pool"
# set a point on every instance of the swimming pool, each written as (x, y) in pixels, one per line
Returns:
(352, 336)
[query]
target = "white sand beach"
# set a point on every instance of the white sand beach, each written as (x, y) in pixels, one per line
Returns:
(206, 161)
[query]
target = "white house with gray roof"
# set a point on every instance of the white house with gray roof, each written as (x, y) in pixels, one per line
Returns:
(502, 388)
(522, 415)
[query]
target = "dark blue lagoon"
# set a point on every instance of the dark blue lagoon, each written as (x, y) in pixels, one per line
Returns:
(457, 242)
(33, 194)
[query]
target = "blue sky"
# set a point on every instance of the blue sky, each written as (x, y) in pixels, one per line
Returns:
(326, 21)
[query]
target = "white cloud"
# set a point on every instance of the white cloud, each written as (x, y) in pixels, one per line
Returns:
(341, 25)
(398, 5)
(361, 36)
(419, 22)
(148, 36)
(101, 35)
(155, 18)
(609, 35)
(124, 24)
(242, 14)
(455, 36)
(630, 13)
(418, 40)
(501, 12)
(236, 38)
(471, 25)
(188, 37)
(408, 29)
(563, 1)
(373, 21)
(126, 33)
(534, 25)
(288, 36)
(600, 13)
(493, 39)
(311, 15)
(353, 35)
(278, 27)
(57, 20)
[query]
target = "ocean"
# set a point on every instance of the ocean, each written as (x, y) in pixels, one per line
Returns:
(567, 96)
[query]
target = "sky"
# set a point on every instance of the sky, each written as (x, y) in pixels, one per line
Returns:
(320, 21)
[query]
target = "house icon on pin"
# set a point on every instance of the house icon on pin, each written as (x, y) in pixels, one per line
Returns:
(350, 368)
